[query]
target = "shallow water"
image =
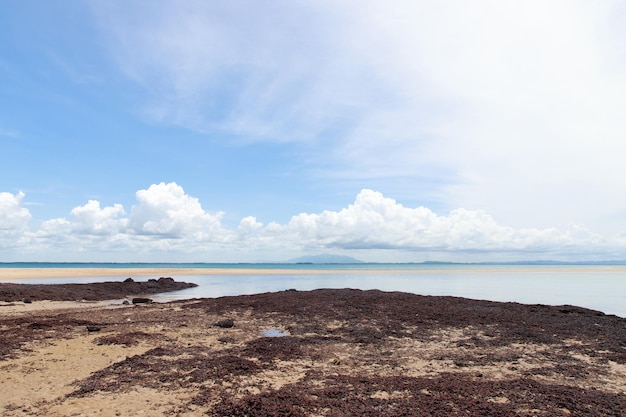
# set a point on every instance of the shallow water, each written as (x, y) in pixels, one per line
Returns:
(601, 291)
(595, 287)
(275, 333)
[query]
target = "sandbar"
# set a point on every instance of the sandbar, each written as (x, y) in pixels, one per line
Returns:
(14, 274)
(8, 274)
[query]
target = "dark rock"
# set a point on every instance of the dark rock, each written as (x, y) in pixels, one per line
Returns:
(141, 300)
(126, 302)
(92, 329)
(27, 301)
(129, 280)
(225, 323)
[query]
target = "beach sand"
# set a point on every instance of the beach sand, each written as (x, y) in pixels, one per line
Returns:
(12, 274)
(15, 274)
(343, 353)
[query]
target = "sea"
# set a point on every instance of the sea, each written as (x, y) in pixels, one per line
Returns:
(599, 287)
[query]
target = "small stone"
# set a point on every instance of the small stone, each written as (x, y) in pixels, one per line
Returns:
(225, 323)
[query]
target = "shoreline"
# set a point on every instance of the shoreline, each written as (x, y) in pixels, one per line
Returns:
(15, 274)
(43, 273)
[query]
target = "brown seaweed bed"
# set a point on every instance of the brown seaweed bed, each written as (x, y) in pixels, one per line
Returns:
(96, 291)
(345, 353)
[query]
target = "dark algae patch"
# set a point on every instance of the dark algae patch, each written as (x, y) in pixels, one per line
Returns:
(342, 353)
(99, 291)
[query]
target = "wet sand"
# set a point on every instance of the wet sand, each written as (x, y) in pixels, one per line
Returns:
(344, 353)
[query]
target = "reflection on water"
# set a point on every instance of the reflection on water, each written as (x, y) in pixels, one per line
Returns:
(274, 333)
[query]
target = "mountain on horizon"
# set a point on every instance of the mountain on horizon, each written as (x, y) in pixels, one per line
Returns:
(326, 258)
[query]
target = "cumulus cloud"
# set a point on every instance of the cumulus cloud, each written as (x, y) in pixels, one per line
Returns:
(249, 225)
(166, 210)
(14, 219)
(377, 222)
(91, 219)
(166, 220)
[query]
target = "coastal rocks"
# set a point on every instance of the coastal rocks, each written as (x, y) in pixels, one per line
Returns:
(225, 323)
(141, 300)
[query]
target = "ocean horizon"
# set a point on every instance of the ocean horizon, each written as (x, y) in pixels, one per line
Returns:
(306, 265)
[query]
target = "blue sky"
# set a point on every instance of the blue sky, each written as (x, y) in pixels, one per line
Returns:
(249, 131)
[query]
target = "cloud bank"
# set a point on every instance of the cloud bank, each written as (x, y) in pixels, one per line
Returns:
(166, 224)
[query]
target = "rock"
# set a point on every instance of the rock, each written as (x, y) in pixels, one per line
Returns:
(141, 300)
(225, 323)
(129, 280)
(92, 329)
(27, 301)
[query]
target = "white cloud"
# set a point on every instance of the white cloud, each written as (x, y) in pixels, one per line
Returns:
(14, 219)
(168, 224)
(165, 210)
(249, 225)
(377, 222)
(91, 219)
(245, 68)
(165, 219)
(12, 215)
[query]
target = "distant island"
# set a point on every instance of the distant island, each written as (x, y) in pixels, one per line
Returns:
(328, 258)
(535, 262)
(325, 259)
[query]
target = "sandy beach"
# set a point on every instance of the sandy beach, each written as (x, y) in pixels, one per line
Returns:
(310, 353)
(7, 274)
(13, 274)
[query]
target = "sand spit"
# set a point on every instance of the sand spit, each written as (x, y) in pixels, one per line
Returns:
(343, 353)
(13, 274)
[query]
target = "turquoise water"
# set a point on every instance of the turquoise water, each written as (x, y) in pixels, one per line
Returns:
(599, 287)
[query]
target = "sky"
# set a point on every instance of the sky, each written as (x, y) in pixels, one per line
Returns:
(246, 131)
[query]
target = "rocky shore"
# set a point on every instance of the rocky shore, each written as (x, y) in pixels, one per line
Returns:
(314, 353)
